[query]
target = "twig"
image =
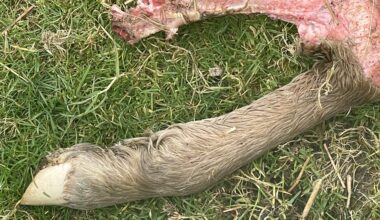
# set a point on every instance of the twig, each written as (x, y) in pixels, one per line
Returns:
(313, 196)
(334, 166)
(18, 19)
(349, 190)
(299, 175)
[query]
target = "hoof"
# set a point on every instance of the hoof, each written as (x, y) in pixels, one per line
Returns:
(47, 186)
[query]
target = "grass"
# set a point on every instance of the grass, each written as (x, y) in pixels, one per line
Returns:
(65, 78)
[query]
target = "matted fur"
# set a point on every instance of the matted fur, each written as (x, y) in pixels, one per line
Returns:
(190, 157)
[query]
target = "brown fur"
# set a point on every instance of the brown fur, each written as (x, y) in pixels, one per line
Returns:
(190, 157)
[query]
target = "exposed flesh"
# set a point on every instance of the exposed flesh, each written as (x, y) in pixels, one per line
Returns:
(353, 21)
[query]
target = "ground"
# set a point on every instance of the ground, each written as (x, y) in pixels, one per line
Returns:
(65, 79)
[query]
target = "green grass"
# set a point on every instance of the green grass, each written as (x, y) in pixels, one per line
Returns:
(86, 85)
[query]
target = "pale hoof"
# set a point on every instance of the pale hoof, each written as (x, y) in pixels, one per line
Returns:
(47, 186)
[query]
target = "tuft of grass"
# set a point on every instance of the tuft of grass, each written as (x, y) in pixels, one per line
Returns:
(65, 79)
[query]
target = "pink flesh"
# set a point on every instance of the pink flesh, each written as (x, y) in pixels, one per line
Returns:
(352, 21)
